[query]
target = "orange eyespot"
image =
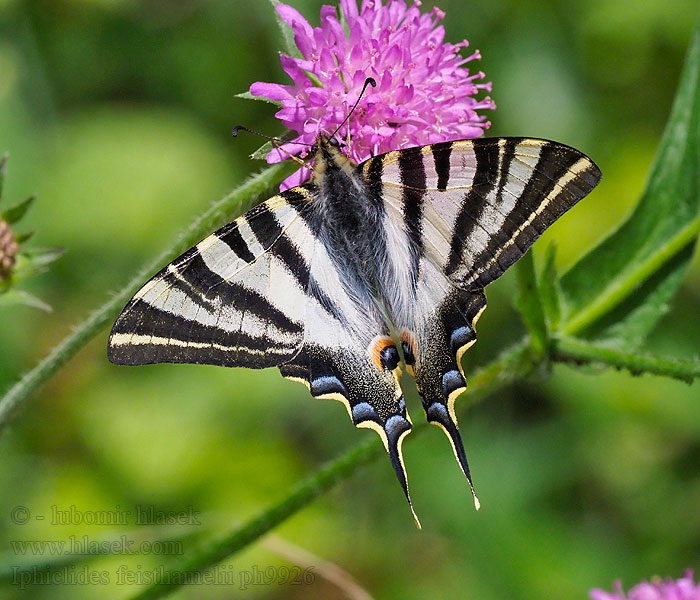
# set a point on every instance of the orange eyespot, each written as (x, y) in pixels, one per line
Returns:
(384, 354)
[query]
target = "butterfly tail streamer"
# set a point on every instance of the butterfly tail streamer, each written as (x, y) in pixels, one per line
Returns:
(396, 429)
(437, 414)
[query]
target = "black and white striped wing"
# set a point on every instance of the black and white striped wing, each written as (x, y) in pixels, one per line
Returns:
(464, 212)
(235, 299)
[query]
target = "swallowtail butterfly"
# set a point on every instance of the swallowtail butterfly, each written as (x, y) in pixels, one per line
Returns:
(333, 281)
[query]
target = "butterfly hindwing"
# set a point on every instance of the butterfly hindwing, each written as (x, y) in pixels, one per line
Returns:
(235, 299)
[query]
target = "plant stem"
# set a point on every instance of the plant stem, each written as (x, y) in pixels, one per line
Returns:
(511, 365)
(300, 496)
(634, 277)
(214, 216)
(575, 350)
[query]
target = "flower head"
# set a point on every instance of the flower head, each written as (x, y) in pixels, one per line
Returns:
(16, 261)
(425, 93)
(656, 589)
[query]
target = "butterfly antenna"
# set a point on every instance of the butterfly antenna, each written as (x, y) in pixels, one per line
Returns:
(368, 81)
(276, 142)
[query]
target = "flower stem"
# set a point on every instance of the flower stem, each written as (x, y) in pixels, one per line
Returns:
(511, 365)
(214, 216)
(575, 350)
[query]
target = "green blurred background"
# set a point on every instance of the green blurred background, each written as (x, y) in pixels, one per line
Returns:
(117, 113)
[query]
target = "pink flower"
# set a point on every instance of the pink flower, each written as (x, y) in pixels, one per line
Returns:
(425, 93)
(656, 589)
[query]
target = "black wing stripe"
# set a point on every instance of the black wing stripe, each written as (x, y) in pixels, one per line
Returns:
(441, 156)
(206, 283)
(266, 228)
(374, 172)
(413, 178)
(180, 262)
(162, 324)
(475, 200)
(509, 150)
(231, 236)
(285, 250)
(182, 352)
(299, 200)
(315, 291)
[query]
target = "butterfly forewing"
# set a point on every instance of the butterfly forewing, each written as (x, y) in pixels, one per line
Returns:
(235, 299)
(481, 204)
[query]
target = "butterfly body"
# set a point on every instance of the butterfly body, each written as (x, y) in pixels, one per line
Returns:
(348, 219)
(334, 280)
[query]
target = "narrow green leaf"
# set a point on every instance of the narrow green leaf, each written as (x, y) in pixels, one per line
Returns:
(549, 289)
(288, 43)
(15, 297)
(262, 152)
(20, 238)
(35, 260)
(577, 351)
(529, 304)
(43, 255)
(249, 96)
(16, 212)
(618, 291)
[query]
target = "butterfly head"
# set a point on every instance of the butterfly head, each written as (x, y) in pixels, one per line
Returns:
(328, 155)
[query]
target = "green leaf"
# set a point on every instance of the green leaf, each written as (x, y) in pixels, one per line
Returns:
(550, 291)
(288, 43)
(15, 297)
(16, 212)
(618, 291)
(20, 238)
(529, 304)
(35, 260)
(249, 96)
(263, 151)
